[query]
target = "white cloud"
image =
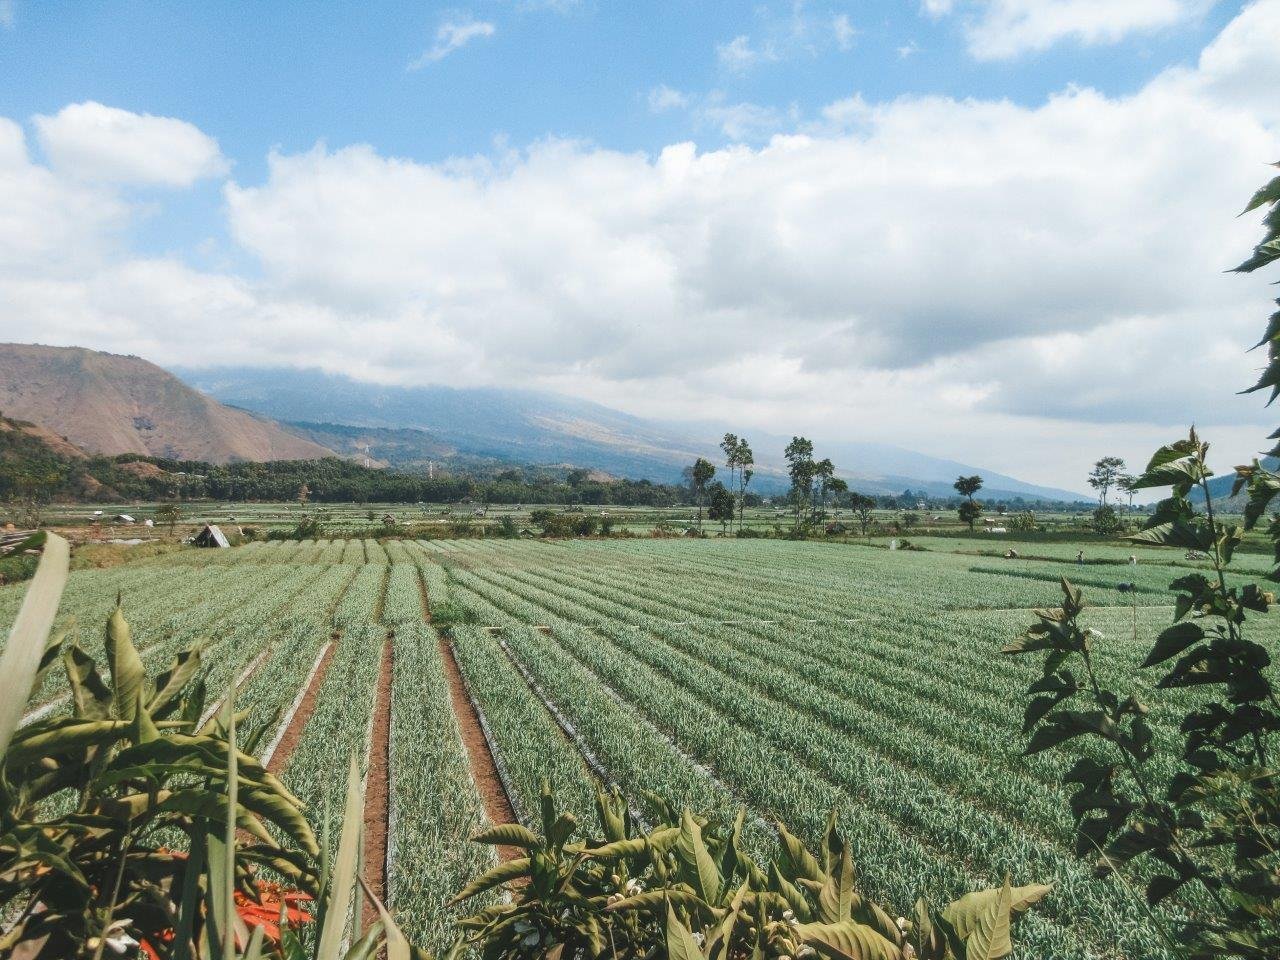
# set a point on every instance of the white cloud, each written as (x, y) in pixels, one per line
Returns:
(1009, 28)
(908, 49)
(454, 33)
(936, 8)
(93, 142)
(738, 56)
(1055, 270)
(663, 98)
(843, 31)
(6, 14)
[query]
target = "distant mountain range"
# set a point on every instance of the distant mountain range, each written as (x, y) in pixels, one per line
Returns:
(105, 403)
(410, 425)
(110, 404)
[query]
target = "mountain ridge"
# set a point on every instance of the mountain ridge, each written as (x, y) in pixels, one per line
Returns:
(526, 426)
(108, 403)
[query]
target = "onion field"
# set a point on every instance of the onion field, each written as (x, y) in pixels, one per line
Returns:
(786, 678)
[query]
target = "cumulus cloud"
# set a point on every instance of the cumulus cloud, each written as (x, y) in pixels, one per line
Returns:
(89, 141)
(454, 33)
(1047, 271)
(1008, 28)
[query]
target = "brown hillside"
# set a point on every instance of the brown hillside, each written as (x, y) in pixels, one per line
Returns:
(59, 445)
(105, 403)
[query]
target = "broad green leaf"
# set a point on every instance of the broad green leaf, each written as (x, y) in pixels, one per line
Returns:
(1172, 641)
(963, 914)
(700, 866)
(680, 942)
(503, 872)
(989, 939)
(20, 660)
(508, 834)
(127, 673)
(847, 940)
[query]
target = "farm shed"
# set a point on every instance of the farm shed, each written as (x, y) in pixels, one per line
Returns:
(210, 536)
(123, 518)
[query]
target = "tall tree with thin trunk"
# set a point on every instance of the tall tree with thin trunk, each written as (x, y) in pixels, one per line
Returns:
(1106, 474)
(801, 469)
(699, 476)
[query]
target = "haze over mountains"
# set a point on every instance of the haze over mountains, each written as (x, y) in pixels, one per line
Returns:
(106, 403)
(524, 426)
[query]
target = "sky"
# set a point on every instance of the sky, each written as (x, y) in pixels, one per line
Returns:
(990, 230)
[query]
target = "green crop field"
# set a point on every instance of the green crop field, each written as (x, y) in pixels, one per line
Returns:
(789, 678)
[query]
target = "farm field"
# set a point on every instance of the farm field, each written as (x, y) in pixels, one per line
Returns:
(789, 678)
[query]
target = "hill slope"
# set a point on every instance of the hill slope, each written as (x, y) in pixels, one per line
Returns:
(106, 403)
(525, 426)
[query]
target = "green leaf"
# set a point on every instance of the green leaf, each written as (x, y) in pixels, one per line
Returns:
(20, 660)
(503, 872)
(508, 835)
(90, 696)
(699, 865)
(127, 673)
(963, 914)
(1172, 641)
(847, 940)
(1268, 194)
(344, 868)
(680, 942)
(989, 939)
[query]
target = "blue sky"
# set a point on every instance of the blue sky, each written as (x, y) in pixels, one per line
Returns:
(273, 75)
(951, 224)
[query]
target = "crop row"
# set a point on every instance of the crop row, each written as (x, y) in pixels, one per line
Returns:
(435, 806)
(750, 738)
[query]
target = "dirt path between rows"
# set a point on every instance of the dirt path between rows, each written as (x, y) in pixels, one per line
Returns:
(298, 722)
(484, 770)
(377, 797)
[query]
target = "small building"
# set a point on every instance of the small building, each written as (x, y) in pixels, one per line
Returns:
(210, 536)
(123, 518)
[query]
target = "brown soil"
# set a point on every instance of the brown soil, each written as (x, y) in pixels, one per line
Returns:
(483, 769)
(377, 797)
(293, 735)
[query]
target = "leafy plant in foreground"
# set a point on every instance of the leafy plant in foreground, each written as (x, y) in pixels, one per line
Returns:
(1215, 824)
(685, 889)
(129, 825)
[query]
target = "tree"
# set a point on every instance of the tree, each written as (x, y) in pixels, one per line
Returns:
(169, 513)
(909, 520)
(1128, 483)
(968, 486)
(739, 459)
(801, 469)
(1106, 474)
(700, 475)
(304, 494)
(825, 472)
(721, 506)
(862, 505)
(1105, 521)
(970, 509)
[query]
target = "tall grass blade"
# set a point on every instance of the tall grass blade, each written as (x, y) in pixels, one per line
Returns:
(21, 658)
(344, 868)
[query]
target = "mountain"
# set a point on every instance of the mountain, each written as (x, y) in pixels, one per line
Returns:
(1220, 489)
(525, 426)
(108, 404)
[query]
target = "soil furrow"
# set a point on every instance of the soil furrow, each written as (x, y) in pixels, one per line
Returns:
(377, 789)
